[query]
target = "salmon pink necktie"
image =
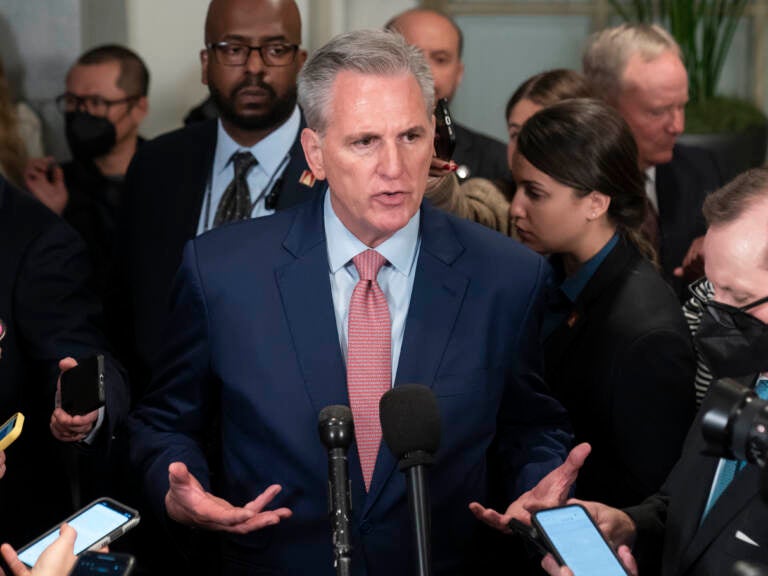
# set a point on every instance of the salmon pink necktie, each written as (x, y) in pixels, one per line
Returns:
(369, 358)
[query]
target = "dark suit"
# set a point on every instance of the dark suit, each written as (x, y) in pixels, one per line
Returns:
(622, 364)
(681, 186)
(166, 185)
(671, 517)
(485, 157)
(49, 314)
(253, 337)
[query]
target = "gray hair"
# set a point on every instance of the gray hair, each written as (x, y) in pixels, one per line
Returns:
(608, 51)
(371, 52)
(730, 202)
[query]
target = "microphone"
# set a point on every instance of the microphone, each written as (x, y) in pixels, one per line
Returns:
(336, 433)
(410, 425)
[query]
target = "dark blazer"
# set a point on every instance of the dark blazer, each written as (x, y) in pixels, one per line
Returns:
(253, 338)
(622, 364)
(671, 541)
(485, 157)
(681, 186)
(49, 314)
(166, 185)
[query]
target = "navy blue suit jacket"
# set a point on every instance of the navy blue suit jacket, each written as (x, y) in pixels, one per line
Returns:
(165, 193)
(252, 337)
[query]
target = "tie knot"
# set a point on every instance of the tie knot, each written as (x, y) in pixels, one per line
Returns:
(368, 264)
(243, 162)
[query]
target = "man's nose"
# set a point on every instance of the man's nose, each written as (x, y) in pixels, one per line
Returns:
(677, 124)
(255, 63)
(390, 160)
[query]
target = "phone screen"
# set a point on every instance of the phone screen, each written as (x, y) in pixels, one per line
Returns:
(97, 563)
(8, 426)
(92, 524)
(580, 545)
(11, 430)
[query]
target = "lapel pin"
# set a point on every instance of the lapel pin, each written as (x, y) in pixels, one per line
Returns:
(2, 334)
(573, 317)
(307, 178)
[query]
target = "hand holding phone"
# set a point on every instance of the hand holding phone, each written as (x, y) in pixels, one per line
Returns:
(82, 387)
(11, 430)
(573, 538)
(101, 522)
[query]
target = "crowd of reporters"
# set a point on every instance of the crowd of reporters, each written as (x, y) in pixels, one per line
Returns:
(133, 250)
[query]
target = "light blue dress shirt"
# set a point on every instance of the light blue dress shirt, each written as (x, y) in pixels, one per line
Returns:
(395, 278)
(273, 155)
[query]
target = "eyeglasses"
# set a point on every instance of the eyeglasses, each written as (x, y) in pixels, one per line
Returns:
(95, 105)
(724, 314)
(237, 53)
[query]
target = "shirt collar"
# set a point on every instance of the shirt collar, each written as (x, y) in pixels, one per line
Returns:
(573, 285)
(399, 249)
(269, 151)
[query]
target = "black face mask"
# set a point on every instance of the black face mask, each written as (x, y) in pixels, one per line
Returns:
(732, 342)
(89, 136)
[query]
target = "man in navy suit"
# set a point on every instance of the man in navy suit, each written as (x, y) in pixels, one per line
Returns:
(258, 339)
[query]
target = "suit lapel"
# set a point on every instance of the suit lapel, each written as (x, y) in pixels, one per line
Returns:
(194, 178)
(438, 293)
(576, 321)
(308, 306)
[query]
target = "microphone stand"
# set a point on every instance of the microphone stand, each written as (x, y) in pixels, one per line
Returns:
(338, 487)
(418, 504)
(336, 431)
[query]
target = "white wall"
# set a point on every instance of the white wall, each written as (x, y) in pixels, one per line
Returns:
(39, 39)
(168, 34)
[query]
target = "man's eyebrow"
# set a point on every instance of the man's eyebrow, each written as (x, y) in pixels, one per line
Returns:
(360, 136)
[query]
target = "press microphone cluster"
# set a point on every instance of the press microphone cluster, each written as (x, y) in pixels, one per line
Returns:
(336, 433)
(410, 425)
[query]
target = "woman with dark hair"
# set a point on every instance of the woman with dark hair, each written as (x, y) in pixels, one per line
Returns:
(538, 92)
(617, 351)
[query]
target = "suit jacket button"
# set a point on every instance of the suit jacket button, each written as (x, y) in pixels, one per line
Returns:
(365, 528)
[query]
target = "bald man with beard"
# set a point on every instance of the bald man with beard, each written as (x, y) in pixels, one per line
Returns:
(184, 183)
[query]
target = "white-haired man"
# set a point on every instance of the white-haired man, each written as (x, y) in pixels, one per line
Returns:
(639, 70)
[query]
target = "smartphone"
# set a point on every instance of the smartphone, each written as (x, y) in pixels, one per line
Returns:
(11, 430)
(445, 134)
(82, 387)
(101, 522)
(529, 534)
(575, 540)
(91, 563)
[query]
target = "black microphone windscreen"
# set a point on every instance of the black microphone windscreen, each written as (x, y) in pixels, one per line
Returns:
(410, 420)
(335, 426)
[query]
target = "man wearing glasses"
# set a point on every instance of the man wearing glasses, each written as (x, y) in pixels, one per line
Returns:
(709, 512)
(245, 164)
(103, 107)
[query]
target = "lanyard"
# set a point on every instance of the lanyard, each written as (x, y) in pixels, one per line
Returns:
(271, 197)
